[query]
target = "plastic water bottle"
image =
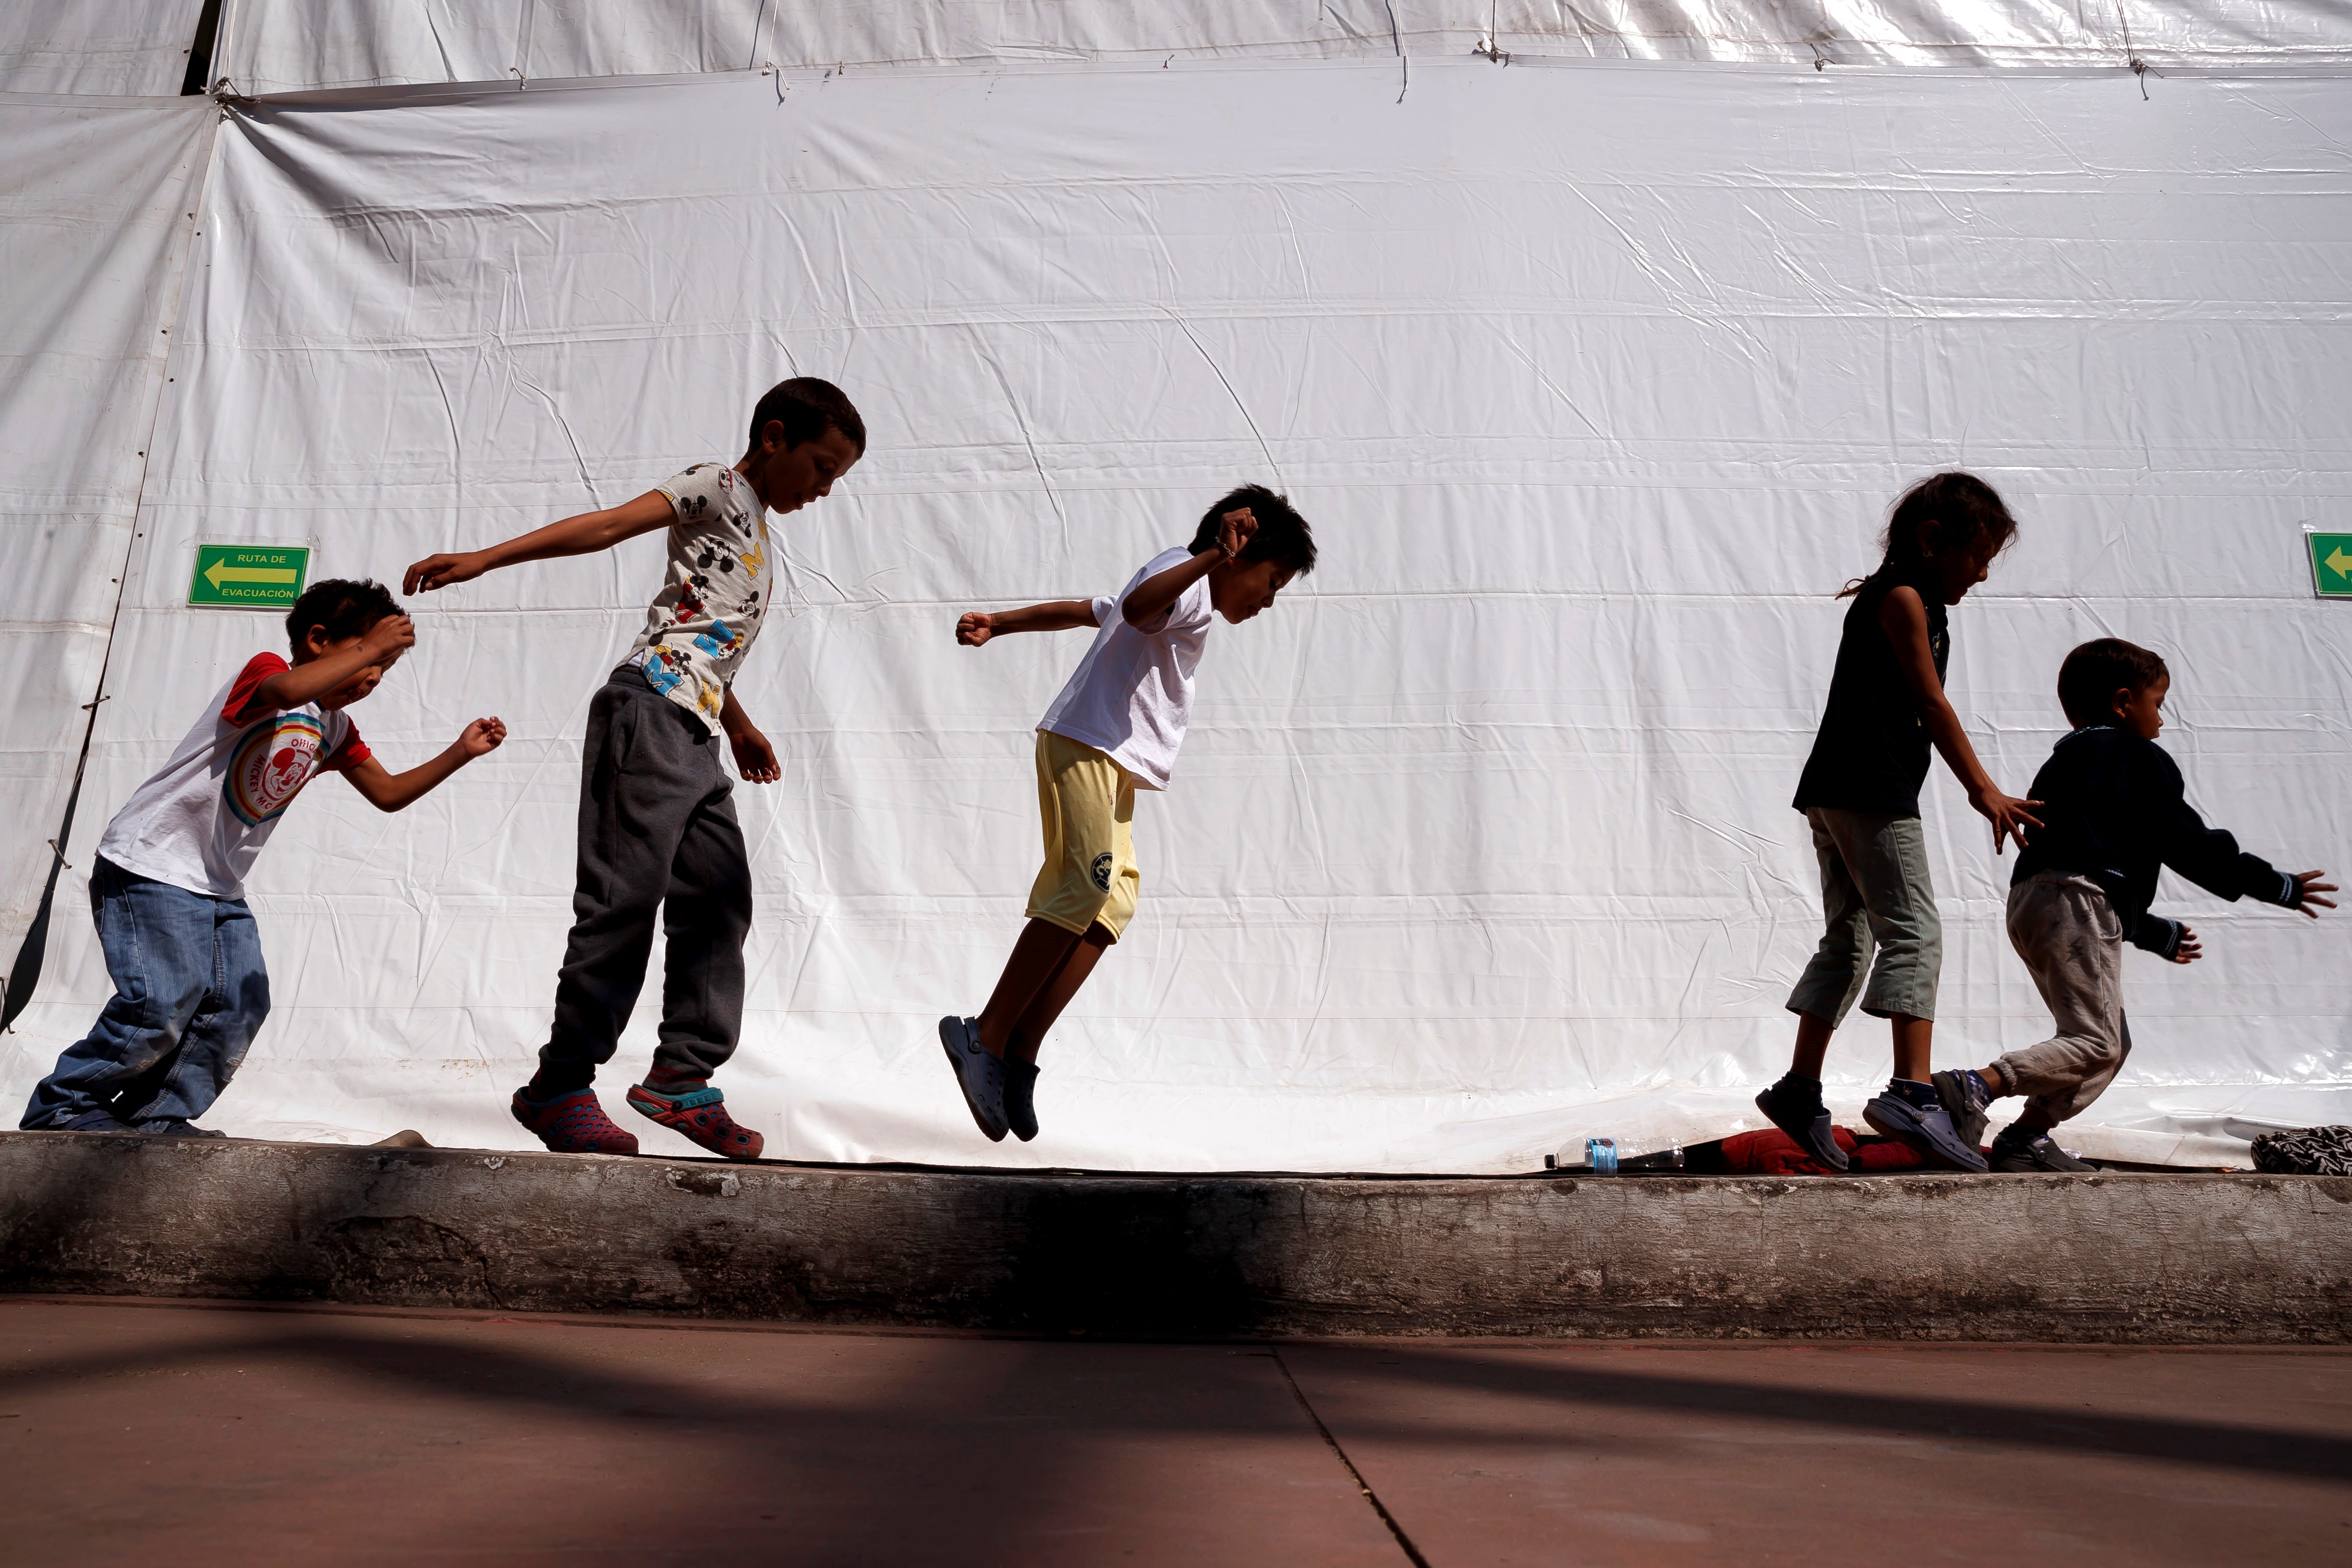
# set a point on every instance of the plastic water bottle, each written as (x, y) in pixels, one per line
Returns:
(1602, 1158)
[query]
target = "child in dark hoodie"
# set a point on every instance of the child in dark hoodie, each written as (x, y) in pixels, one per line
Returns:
(2113, 813)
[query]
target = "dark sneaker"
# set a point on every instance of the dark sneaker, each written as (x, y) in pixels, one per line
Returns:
(2027, 1156)
(172, 1127)
(573, 1123)
(1927, 1128)
(90, 1121)
(1021, 1097)
(1965, 1097)
(1798, 1110)
(978, 1074)
(702, 1117)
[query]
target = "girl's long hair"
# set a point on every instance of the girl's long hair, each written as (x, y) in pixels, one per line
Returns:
(1942, 512)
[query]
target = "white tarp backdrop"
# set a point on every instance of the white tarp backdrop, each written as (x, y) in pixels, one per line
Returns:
(284, 45)
(136, 48)
(1596, 381)
(95, 210)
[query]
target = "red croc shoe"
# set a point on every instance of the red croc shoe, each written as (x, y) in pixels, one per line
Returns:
(702, 1117)
(573, 1123)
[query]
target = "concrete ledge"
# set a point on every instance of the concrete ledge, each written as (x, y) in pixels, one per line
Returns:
(2143, 1259)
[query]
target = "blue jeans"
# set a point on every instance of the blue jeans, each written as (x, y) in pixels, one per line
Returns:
(189, 993)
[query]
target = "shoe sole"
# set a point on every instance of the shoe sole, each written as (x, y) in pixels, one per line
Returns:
(1917, 1142)
(1835, 1159)
(955, 1065)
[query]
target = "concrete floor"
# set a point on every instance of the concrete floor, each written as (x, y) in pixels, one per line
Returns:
(147, 1433)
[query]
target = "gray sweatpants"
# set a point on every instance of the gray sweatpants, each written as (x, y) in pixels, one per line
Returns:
(2072, 943)
(657, 836)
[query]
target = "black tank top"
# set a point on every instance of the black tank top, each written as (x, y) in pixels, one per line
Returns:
(1872, 751)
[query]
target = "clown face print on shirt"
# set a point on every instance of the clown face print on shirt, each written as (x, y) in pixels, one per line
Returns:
(702, 623)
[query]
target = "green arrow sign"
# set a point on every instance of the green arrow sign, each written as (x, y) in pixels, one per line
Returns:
(248, 577)
(2331, 565)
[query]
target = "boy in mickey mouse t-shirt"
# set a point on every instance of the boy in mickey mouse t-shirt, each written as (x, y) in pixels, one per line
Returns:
(168, 890)
(659, 841)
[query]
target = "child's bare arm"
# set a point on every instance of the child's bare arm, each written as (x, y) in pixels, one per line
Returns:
(1903, 617)
(583, 535)
(388, 791)
(387, 638)
(976, 626)
(1161, 589)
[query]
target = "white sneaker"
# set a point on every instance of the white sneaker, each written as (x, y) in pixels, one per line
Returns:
(978, 1074)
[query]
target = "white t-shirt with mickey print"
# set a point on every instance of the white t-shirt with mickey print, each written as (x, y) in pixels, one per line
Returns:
(702, 623)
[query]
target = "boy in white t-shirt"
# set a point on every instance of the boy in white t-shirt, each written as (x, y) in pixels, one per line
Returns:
(168, 890)
(658, 837)
(1115, 728)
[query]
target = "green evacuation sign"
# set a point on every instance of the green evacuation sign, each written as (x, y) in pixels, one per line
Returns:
(249, 576)
(2331, 565)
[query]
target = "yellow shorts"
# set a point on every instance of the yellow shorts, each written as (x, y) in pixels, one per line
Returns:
(1086, 801)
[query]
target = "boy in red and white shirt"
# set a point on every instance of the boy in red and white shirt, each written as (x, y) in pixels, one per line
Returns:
(168, 891)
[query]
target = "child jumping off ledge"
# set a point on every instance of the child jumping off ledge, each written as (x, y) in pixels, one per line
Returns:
(1115, 728)
(658, 837)
(2113, 811)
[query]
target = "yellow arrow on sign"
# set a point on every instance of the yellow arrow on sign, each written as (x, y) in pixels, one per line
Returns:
(2339, 563)
(220, 572)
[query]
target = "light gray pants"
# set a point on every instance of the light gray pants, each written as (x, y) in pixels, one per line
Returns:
(1874, 894)
(2072, 943)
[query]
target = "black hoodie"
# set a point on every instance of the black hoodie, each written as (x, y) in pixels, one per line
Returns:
(2113, 810)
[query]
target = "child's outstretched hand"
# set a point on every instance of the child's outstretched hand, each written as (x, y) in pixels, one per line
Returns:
(482, 737)
(1234, 531)
(2312, 888)
(974, 628)
(2190, 949)
(2008, 813)
(441, 572)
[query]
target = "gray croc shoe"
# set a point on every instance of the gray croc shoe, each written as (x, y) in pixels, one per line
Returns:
(1927, 1128)
(2037, 1154)
(1021, 1097)
(978, 1074)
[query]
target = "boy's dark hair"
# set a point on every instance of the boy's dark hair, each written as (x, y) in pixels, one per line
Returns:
(344, 608)
(1282, 534)
(1942, 512)
(808, 407)
(2093, 674)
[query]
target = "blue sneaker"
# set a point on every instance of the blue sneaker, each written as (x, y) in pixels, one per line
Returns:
(1796, 1109)
(90, 1121)
(174, 1126)
(1965, 1097)
(1927, 1128)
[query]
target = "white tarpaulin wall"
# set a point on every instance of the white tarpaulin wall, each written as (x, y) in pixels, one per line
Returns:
(96, 212)
(135, 47)
(285, 46)
(1596, 381)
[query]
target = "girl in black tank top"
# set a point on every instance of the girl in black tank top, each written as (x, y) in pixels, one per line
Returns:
(1860, 792)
